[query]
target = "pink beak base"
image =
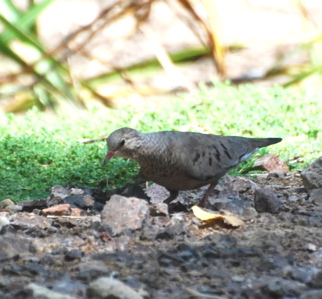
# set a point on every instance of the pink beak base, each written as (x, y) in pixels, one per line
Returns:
(109, 155)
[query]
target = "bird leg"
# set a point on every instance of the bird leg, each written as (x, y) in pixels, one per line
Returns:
(173, 195)
(204, 199)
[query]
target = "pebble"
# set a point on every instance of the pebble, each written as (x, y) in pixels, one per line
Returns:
(124, 213)
(4, 221)
(41, 292)
(106, 287)
(267, 201)
(73, 254)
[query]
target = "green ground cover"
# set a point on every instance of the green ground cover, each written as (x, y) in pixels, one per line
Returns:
(40, 150)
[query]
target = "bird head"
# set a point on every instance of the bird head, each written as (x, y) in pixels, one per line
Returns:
(122, 143)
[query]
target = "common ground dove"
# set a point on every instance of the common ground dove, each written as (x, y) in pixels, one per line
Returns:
(183, 160)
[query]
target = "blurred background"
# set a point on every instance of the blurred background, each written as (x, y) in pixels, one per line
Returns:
(57, 53)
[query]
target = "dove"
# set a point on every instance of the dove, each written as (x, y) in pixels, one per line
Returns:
(183, 160)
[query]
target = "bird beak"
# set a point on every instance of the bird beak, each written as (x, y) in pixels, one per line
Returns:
(108, 157)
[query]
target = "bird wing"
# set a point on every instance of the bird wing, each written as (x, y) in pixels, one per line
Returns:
(209, 157)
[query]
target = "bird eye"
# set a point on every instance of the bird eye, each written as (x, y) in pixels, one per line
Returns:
(122, 142)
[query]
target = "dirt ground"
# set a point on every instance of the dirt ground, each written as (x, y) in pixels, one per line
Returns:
(156, 254)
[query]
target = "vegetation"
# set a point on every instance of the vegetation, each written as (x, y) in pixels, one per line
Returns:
(50, 83)
(36, 74)
(41, 150)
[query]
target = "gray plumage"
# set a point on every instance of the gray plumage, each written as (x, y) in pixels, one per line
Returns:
(183, 160)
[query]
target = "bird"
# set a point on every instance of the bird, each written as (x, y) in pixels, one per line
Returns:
(183, 160)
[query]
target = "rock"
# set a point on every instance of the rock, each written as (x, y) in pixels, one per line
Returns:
(236, 207)
(30, 205)
(317, 280)
(35, 269)
(157, 193)
(59, 210)
(271, 163)
(6, 203)
(4, 221)
(105, 287)
(76, 191)
(13, 248)
(312, 175)
(249, 213)
(57, 195)
(159, 209)
(41, 292)
(310, 247)
(124, 213)
(10, 206)
(90, 270)
(68, 286)
(76, 212)
(80, 201)
(30, 220)
(312, 294)
(165, 234)
(241, 184)
(186, 252)
(316, 196)
(267, 201)
(132, 190)
(73, 254)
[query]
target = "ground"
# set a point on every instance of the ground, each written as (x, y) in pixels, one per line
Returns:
(276, 254)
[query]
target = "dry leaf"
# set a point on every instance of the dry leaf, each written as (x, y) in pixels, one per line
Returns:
(210, 216)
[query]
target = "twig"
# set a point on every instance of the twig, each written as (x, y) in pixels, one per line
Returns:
(86, 140)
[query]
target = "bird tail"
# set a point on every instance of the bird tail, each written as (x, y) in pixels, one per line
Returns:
(261, 142)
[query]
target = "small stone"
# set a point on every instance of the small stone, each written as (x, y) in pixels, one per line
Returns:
(159, 209)
(68, 286)
(45, 293)
(241, 184)
(30, 220)
(293, 198)
(132, 190)
(271, 163)
(76, 212)
(57, 195)
(311, 247)
(4, 221)
(105, 287)
(312, 294)
(238, 278)
(317, 280)
(249, 213)
(186, 252)
(157, 193)
(31, 205)
(235, 207)
(267, 201)
(35, 269)
(73, 254)
(165, 234)
(312, 175)
(124, 213)
(274, 175)
(76, 191)
(316, 196)
(12, 248)
(59, 210)
(80, 201)
(90, 270)
(6, 203)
